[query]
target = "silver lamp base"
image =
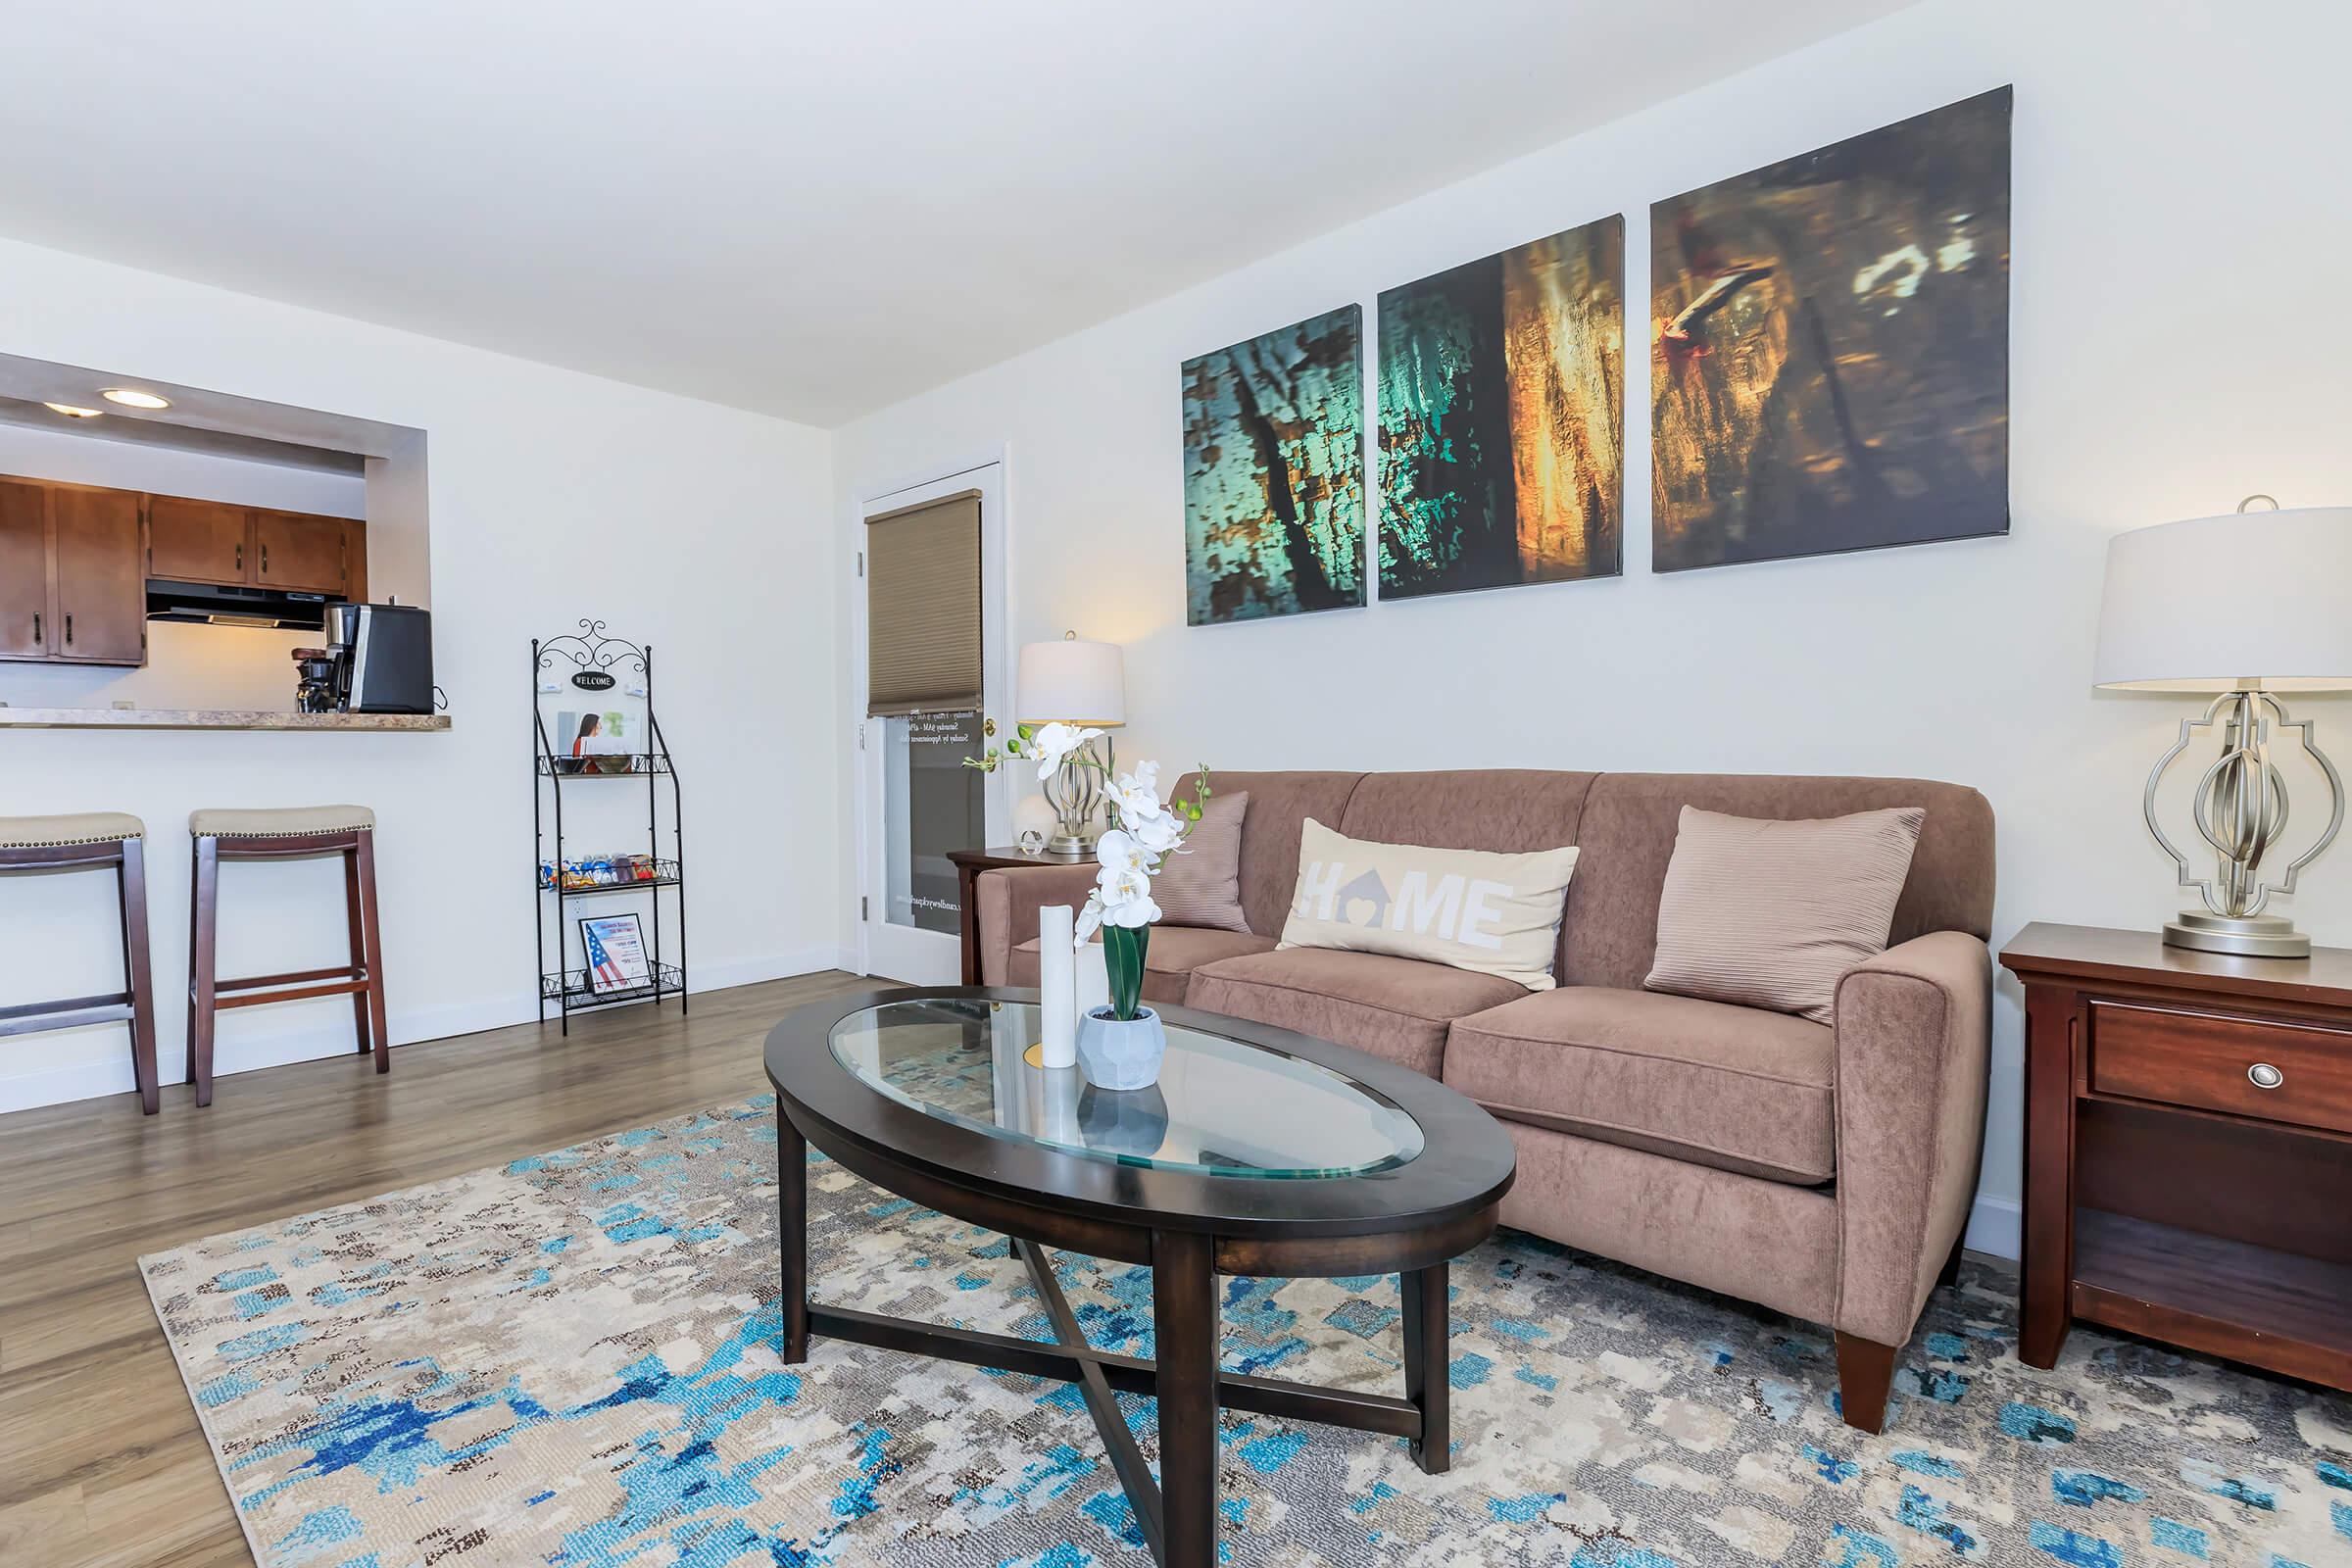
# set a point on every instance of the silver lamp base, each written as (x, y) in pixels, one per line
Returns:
(2251, 936)
(1072, 845)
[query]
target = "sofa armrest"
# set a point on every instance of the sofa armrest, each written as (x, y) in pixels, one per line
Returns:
(1009, 900)
(1913, 1047)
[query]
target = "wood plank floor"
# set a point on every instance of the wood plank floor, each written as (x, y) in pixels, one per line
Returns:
(101, 1460)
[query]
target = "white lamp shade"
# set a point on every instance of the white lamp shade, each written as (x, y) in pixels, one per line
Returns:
(1071, 682)
(2253, 596)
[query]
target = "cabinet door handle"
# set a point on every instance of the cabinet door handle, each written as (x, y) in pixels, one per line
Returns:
(2261, 1075)
(36, 629)
(69, 628)
(264, 560)
(240, 556)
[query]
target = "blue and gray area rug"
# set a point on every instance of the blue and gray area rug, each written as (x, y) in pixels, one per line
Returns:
(570, 1362)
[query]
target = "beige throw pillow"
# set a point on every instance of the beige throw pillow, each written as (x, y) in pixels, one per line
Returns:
(1497, 915)
(1770, 914)
(1201, 883)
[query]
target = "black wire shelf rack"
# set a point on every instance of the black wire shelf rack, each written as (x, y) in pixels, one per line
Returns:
(572, 990)
(596, 664)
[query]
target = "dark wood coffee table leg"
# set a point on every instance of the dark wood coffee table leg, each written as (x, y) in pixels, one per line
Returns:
(1428, 1364)
(1185, 1329)
(792, 1236)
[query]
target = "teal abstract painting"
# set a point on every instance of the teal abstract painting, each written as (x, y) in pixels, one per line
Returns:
(1274, 473)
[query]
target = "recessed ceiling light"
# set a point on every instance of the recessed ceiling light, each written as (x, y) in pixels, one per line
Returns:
(70, 412)
(130, 397)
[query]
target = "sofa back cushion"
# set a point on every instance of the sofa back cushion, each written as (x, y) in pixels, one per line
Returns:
(1627, 841)
(1508, 810)
(1279, 802)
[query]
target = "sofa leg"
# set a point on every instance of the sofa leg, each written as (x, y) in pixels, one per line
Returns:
(1952, 1266)
(1865, 1374)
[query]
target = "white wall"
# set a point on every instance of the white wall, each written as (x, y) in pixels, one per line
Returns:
(2174, 347)
(553, 495)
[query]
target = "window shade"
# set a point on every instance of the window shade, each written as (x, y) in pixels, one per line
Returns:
(922, 608)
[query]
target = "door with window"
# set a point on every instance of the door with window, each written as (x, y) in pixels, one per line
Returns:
(929, 564)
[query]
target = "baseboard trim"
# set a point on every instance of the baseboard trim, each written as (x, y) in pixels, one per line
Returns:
(91, 1080)
(1996, 1226)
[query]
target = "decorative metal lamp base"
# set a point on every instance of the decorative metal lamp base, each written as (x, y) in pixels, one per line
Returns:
(2240, 809)
(1072, 845)
(2254, 936)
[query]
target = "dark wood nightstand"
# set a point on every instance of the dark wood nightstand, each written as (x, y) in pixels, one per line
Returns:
(2189, 1149)
(969, 863)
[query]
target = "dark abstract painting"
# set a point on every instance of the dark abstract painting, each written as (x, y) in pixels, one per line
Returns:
(1274, 473)
(1502, 417)
(1831, 347)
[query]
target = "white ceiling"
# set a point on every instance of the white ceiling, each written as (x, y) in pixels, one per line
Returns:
(805, 209)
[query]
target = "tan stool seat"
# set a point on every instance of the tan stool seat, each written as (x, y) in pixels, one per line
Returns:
(282, 822)
(75, 827)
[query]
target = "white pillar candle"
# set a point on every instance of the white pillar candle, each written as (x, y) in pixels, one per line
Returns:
(1057, 994)
(1057, 1106)
(1094, 980)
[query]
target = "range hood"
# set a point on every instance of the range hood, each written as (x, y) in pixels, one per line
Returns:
(213, 605)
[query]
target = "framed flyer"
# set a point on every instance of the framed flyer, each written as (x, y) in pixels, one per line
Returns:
(615, 949)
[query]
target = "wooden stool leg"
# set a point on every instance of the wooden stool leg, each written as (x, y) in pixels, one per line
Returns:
(364, 858)
(130, 888)
(202, 973)
(359, 941)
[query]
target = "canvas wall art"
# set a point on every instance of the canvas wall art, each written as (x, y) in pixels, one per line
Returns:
(1830, 364)
(1274, 473)
(1502, 417)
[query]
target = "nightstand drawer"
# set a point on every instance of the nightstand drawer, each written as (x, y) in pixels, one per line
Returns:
(2243, 1067)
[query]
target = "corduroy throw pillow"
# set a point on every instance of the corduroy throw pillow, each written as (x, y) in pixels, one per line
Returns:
(1770, 914)
(1201, 884)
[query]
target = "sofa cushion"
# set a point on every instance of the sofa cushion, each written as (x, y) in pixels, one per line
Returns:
(1762, 913)
(1169, 958)
(1277, 804)
(1497, 915)
(1626, 837)
(1736, 1088)
(1200, 883)
(1392, 1007)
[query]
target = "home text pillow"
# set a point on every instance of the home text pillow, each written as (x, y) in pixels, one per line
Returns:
(1201, 883)
(1498, 914)
(1770, 914)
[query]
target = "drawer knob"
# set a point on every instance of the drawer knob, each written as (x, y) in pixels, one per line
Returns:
(2261, 1075)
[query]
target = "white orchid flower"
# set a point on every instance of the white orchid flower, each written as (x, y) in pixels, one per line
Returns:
(1157, 833)
(1136, 795)
(1120, 851)
(1126, 898)
(1053, 743)
(1090, 920)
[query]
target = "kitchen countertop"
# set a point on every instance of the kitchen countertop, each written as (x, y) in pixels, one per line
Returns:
(210, 718)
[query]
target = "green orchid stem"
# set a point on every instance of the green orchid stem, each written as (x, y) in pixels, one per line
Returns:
(1123, 957)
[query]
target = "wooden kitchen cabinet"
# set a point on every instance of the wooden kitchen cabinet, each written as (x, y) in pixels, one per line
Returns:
(24, 617)
(355, 561)
(97, 561)
(199, 541)
(298, 553)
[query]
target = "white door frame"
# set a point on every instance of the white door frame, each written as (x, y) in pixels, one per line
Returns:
(989, 471)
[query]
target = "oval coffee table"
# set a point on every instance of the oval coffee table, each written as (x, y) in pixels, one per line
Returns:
(1259, 1152)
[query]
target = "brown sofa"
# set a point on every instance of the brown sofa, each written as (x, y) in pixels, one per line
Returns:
(1823, 1172)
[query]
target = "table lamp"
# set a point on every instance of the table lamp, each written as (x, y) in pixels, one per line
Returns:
(1073, 682)
(2172, 619)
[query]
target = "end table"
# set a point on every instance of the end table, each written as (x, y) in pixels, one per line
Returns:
(2189, 1149)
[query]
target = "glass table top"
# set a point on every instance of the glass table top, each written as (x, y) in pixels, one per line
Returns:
(1221, 1107)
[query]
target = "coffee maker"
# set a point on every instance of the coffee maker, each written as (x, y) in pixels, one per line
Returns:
(383, 657)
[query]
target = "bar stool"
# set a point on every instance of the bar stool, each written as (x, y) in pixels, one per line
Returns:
(83, 842)
(287, 834)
